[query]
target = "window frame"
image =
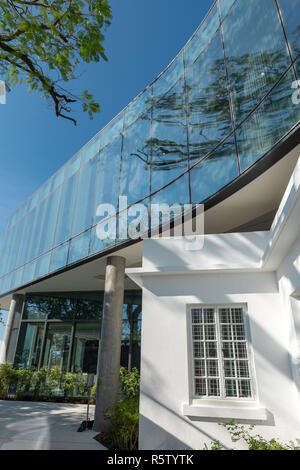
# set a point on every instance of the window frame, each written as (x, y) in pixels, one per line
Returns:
(197, 399)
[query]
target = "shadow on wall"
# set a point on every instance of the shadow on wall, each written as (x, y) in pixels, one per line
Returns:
(161, 415)
(215, 249)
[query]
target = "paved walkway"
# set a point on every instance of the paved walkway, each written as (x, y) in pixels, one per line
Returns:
(44, 426)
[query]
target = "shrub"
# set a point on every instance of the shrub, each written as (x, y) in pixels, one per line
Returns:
(123, 416)
(7, 378)
(124, 425)
(129, 382)
(253, 441)
(45, 383)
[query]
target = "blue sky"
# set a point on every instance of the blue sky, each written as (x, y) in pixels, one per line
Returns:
(143, 38)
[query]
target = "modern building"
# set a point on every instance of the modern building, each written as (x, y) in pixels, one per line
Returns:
(216, 330)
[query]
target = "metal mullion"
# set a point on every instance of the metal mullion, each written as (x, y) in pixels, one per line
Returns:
(234, 342)
(220, 355)
(151, 158)
(43, 344)
(71, 346)
(94, 198)
(187, 125)
(286, 39)
(120, 175)
(229, 89)
(75, 202)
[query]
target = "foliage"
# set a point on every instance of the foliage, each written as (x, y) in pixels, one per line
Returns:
(123, 416)
(46, 384)
(129, 382)
(43, 43)
(253, 441)
(124, 425)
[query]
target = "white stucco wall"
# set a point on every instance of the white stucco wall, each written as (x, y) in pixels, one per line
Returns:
(166, 384)
(260, 271)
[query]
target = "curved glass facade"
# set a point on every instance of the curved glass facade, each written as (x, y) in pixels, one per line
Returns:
(216, 110)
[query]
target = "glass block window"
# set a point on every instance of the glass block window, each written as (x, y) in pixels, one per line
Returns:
(221, 367)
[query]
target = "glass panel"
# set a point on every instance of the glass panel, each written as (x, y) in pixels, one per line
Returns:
(57, 346)
(208, 107)
(36, 307)
(89, 309)
(28, 273)
(72, 166)
(42, 265)
(273, 119)
(108, 174)
(202, 37)
(79, 247)
(225, 6)
(90, 150)
(135, 177)
(61, 308)
(176, 193)
(131, 336)
(256, 51)
(138, 107)
(15, 239)
(85, 197)
(25, 240)
(200, 387)
(98, 244)
(48, 232)
(214, 172)
(33, 249)
(59, 257)
(168, 78)
(86, 341)
(290, 12)
(42, 193)
(169, 138)
(64, 221)
(29, 345)
(57, 179)
(110, 132)
(17, 278)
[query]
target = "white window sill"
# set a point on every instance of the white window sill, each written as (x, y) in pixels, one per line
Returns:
(240, 412)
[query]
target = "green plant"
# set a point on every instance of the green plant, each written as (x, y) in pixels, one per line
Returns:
(43, 44)
(124, 425)
(23, 381)
(129, 382)
(253, 441)
(7, 378)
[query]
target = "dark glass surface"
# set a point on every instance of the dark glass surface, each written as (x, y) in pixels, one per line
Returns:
(256, 52)
(208, 101)
(29, 345)
(268, 124)
(74, 319)
(85, 349)
(214, 172)
(169, 138)
(57, 346)
(290, 13)
(136, 159)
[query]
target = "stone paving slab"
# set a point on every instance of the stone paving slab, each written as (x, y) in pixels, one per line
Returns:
(44, 426)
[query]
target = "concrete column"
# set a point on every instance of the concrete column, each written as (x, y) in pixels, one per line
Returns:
(110, 345)
(15, 312)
